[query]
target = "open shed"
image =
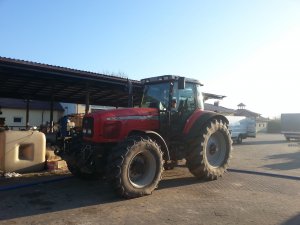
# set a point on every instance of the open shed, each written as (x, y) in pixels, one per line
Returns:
(30, 80)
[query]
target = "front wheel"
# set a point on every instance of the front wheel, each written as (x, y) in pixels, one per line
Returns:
(210, 151)
(170, 165)
(79, 173)
(135, 167)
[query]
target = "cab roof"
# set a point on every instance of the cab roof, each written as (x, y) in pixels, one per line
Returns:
(164, 78)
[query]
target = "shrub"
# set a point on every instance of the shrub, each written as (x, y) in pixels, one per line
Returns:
(274, 126)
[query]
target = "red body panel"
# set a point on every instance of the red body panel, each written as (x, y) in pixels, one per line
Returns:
(115, 125)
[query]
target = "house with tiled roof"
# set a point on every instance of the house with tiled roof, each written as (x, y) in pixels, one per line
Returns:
(261, 122)
(219, 109)
(245, 112)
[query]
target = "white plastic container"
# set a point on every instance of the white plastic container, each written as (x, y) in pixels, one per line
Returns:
(22, 151)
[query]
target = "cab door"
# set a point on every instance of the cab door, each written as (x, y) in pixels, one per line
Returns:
(185, 106)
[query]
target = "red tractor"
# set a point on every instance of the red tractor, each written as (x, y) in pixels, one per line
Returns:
(132, 146)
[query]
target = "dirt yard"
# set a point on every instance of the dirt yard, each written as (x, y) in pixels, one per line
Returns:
(261, 187)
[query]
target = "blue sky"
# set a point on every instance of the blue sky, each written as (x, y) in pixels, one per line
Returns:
(246, 50)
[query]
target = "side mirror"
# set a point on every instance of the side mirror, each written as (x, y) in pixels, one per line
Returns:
(181, 83)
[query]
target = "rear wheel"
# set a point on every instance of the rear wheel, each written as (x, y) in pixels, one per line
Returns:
(210, 151)
(135, 167)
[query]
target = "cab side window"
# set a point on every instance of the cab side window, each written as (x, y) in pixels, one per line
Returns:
(186, 98)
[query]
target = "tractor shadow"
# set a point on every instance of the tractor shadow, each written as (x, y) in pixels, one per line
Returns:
(67, 194)
(178, 182)
(292, 221)
(51, 197)
(261, 142)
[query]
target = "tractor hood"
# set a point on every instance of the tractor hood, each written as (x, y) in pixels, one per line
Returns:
(125, 114)
(116, 124)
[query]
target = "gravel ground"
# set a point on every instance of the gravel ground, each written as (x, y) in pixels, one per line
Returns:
(261, 187)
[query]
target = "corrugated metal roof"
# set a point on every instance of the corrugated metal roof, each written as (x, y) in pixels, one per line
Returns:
(30, 80)
(53, 68)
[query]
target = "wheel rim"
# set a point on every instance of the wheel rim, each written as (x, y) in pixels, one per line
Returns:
(216, 149)
(141, 170)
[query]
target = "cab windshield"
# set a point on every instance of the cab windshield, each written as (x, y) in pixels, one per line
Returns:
(156, 96)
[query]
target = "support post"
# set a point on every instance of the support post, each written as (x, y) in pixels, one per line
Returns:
(27, 114)
(130, 95)
(87, 99)
(51, 113)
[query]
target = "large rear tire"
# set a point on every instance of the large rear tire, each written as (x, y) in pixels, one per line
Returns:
(210, 151)
(135, 167)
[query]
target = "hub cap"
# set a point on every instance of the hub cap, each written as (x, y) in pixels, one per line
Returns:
(142, 169)
(216, 149)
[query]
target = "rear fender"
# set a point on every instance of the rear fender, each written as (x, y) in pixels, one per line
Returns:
(198, 120)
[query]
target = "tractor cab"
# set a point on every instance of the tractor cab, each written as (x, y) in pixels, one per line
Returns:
(176, 99)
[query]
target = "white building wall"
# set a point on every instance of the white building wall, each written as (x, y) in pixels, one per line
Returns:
(36, 117)
(81, 108)
(71, 108)
(261, 127)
